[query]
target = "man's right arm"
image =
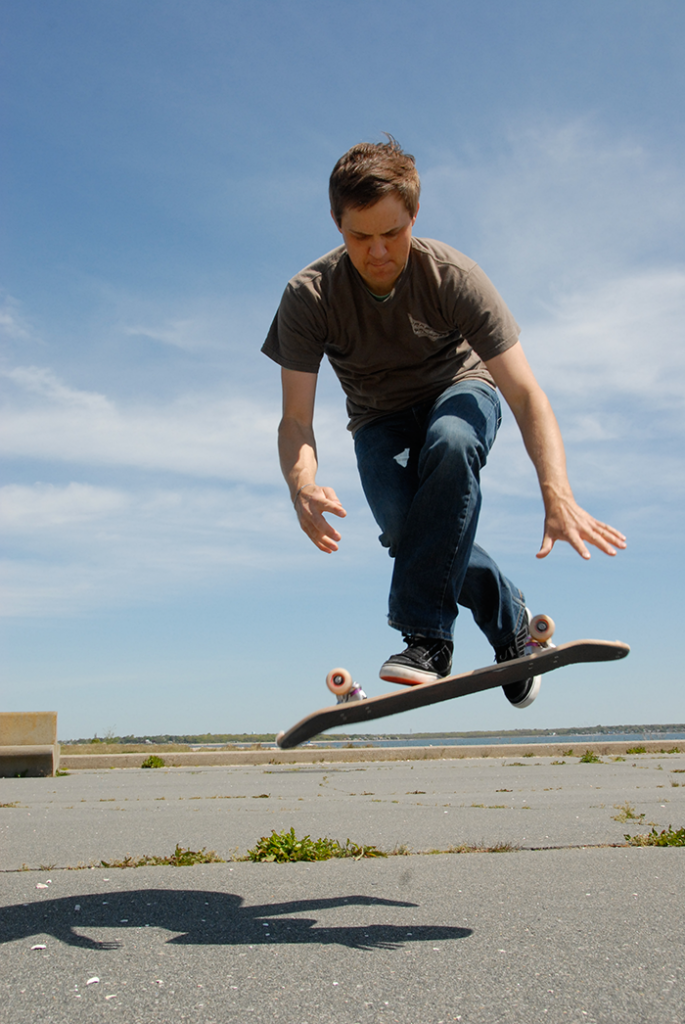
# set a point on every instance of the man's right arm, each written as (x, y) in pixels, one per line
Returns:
(297, 454)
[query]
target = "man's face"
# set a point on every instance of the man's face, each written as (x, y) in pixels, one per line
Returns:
(378, 240)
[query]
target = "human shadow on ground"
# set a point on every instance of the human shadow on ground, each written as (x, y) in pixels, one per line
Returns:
(210, 918)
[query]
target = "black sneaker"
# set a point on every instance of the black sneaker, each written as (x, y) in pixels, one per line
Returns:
(523, 693)
(424, 660)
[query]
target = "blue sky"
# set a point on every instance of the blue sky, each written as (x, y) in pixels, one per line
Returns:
(167, 174)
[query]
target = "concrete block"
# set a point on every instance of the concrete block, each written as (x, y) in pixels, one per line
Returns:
(28, 743)
(20, 727)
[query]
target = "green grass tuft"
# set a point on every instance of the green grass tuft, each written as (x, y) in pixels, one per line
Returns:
(667, 837)
(627, 813)
(283, 847)
(153, 762)
(180, 858)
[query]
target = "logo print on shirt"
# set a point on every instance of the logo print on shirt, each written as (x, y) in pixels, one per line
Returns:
(422, 330)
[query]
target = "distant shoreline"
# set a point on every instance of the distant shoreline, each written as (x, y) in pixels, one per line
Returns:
(504, 736)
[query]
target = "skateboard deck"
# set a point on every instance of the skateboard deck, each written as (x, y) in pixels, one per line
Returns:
(409, 697)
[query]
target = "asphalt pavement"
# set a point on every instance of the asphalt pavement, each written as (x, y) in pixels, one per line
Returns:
(564, 927)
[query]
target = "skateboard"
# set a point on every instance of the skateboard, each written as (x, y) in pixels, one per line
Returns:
(544, 659)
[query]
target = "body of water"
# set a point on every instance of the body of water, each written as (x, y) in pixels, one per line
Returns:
(486, 741)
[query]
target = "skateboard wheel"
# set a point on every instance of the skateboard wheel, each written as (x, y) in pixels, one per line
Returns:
(339, 681)
(279, 738)
(541, 627)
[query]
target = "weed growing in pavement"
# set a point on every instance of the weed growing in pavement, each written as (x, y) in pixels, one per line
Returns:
(667, 837)
(153, 762)
(281, 847)
(467, 848)
(589, 757)
(180, 858)
(636, 750)
(400, 850)
(627, 813)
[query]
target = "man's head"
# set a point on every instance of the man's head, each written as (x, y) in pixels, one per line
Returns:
(374, 201)
(369, 172)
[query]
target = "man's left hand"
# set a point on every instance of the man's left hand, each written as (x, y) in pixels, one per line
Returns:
(569, 522)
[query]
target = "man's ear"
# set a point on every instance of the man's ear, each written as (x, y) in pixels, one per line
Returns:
(418, 207)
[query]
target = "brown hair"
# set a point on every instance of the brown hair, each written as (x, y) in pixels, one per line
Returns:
(370, 171)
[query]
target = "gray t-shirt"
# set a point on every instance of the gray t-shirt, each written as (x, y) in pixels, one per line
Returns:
(443, 318)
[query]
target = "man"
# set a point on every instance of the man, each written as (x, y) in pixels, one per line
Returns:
(420, 341)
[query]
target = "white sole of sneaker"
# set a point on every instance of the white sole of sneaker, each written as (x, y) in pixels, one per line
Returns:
(408, 676)
(532, 694)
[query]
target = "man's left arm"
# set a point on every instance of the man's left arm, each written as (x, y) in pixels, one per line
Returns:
(564, 518)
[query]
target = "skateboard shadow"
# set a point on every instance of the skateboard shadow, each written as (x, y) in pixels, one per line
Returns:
(210, 918)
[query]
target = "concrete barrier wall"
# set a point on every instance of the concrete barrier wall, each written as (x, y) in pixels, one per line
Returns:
(18, 728)
(314, 755)
(28, 743)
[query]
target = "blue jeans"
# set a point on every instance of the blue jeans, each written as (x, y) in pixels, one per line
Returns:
(420, 470)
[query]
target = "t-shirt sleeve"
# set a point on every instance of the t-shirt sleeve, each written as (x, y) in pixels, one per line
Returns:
(483, 317)
(297, 335)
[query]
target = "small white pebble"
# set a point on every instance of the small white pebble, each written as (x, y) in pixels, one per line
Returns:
(93, 981)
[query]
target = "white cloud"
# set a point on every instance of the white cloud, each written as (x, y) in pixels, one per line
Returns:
(77, 547)
(42, 507)
(198, 325)
(80, 546)
(582, 232)
(620, 340)
(198, 435)
(183, 334)
(559, 206)
(13, 324)
(223, 436)
(612, 363)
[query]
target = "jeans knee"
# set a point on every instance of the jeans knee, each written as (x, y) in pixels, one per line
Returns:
(453, 442)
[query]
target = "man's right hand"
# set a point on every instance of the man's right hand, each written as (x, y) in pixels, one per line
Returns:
(310, 504)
